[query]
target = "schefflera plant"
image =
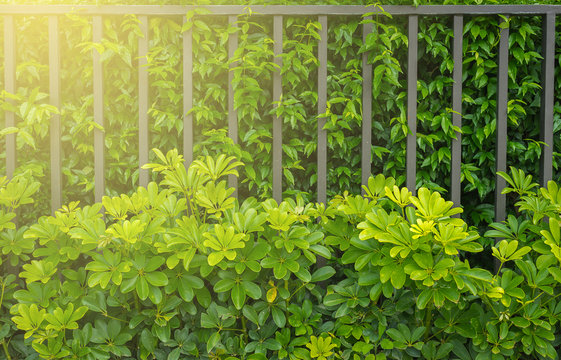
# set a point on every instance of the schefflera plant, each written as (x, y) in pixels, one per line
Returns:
(15, 251)
(410, 286)
(131, 278)
(176, 270)
(528, 250)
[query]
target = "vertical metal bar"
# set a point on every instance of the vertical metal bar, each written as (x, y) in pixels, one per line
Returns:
(10, 87)
(546, 113)
(502, 103)
(187, 96)
(99, 136)
(456, 163)
(277, 121)
(232, 113)
(366, 165)
(411, 150)
(55, 132)
(143, 150)
(322, 108)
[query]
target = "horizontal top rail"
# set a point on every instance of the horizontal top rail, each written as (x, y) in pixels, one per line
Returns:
(280, 9)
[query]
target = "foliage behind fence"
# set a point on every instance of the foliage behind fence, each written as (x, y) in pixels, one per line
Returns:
(252, 77)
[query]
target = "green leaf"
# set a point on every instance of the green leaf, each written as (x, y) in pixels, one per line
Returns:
(556, 273)
(520, 322)
(157, 278)
(304, 275)
(223, 285)
(253, 290)
(215, 257)
(142, 288)
(250, 313)
(321, 250)
(213, 340)
(323, 274)
(423, 298)
(396, 335)
(278, 316)
(238, 296)
(386, 344)
(398, 278)
(480, 274)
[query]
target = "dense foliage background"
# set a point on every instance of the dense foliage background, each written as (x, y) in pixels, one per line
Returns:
(253, 86)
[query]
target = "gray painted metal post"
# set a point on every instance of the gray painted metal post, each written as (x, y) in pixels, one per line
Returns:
(187, 96)
(277, 121)
(232, 113)
(99, 135)
(55, 131)
(322, 108)
(411, 151)
(456, 163)
(366, 160)
(501, 130)
(10, 87)
(143, 149)
(546, 114)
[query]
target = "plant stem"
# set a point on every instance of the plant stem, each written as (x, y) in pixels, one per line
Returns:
(5, 347)
(2, 293)
(549, 300)
(486, 301)
(499, 269)
(534, 299)
(232, 329)
(192, 210)
(112, 317)
(436, 333)
(294, 293)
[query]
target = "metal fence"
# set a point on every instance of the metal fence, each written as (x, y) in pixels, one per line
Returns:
(323, 12)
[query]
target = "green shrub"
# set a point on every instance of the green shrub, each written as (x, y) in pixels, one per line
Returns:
(182, 270)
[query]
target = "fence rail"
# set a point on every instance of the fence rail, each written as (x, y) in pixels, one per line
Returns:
(323, 12)
(307, 10)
